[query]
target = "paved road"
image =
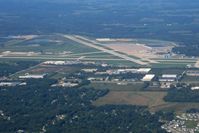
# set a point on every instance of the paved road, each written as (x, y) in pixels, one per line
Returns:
(92, 44)
(60, 58)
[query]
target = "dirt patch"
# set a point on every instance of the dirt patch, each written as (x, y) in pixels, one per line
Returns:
(141, 50)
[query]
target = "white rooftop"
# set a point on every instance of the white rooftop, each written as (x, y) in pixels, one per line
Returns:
(195, 88)
(144, 70)
(169, 76)
(148, 77)
(34, 76)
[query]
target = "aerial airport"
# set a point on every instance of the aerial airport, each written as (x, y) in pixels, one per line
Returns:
(99, 67)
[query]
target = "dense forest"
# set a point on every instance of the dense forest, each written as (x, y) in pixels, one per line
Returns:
(10, 67)
(188, 51)
(155, 19)
(38, 107)
(182, 95)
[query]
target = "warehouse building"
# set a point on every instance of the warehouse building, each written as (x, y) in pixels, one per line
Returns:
(148, 77)
(168, 78)
(32, 76)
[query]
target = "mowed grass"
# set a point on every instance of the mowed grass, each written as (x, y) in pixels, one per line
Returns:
(52, 71)
(46, 44)
(116, 87)
(121, 63)
(191, 124)
(153, 100)
(170, 65)
(150, 99)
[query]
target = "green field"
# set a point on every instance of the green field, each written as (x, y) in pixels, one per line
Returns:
(115, 87)
(46, 44)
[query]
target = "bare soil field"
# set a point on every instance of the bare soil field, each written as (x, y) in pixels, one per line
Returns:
(140, 50)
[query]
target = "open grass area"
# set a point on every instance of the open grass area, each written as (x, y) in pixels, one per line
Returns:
(121, 63)
(191, 124)
(159, 71)
(170, 65)
(191, 79)
(45, 45)
(150, 99)
(154, 100)
(116, 87)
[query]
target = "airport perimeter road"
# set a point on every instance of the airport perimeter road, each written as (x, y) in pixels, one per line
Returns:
(61, 58)
(94, 45)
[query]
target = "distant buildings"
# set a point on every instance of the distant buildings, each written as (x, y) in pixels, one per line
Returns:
(66, 62)
(89, 70)
(32, 76)
(192, 73)
(65, 84)
(195, 88)
(168, 78)
(120, 71)
(8, 84)
(54, 62)
(181, 124)
(11, 84)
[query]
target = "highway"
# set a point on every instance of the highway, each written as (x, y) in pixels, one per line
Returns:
(93, 44)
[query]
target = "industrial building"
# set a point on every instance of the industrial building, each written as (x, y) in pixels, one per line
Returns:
(192, 73)
(148, 77)
(32, 76)
(55, 63)
(195, 88)
(144, 70)
(168, 78)
(89, 70)
(8, 84)
(133, 70)
(11, 84)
